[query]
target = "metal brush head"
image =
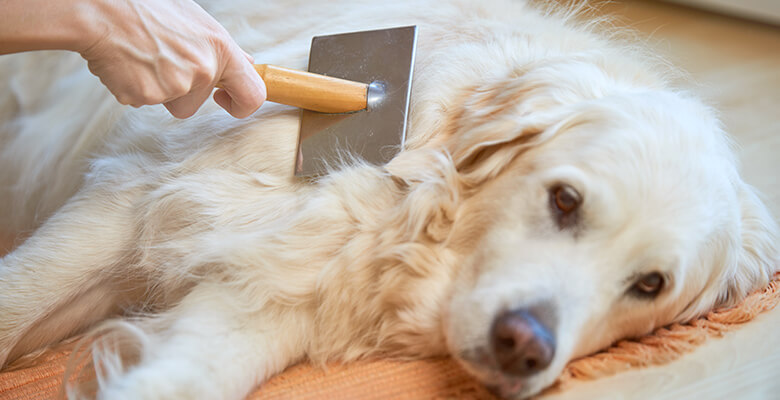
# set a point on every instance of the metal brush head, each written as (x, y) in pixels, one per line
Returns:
(382, 58)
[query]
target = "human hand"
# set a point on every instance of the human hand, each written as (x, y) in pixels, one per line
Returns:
(170, 52)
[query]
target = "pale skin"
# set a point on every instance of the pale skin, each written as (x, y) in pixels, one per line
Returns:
(168, 52)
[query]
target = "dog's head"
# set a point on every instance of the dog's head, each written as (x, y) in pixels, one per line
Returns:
(587, 216)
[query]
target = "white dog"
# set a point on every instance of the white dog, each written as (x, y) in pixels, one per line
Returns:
(555, 195)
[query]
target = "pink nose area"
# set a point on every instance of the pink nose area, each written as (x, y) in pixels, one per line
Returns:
(521, 344)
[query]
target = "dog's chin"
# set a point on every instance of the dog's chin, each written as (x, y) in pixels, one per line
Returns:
(500, 384)
(482, 366)
(511, 388)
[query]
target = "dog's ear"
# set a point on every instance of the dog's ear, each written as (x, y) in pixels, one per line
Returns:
(496, 122)
(758, 257)
(488, 128)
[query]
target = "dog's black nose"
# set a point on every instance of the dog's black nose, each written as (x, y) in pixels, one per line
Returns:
(521, 344)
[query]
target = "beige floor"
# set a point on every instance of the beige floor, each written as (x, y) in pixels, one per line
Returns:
(735, 65)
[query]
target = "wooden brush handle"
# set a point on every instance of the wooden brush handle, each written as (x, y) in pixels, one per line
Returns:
(312, 91)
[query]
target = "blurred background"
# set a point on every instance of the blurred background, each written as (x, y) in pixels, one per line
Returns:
(732, 57)
(761, 10)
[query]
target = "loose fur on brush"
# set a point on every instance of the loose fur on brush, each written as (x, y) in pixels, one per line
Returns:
(222, 269)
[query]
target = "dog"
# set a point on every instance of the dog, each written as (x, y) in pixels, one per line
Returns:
(556, 193)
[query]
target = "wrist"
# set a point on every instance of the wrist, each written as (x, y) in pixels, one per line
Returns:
(84, 27)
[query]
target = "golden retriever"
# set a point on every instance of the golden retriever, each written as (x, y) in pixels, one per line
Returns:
(556, 194)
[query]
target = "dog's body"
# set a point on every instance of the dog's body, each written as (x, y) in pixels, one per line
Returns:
(550, 176)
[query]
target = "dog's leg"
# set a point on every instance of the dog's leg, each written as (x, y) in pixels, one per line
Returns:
(55, 283)
(212, 345)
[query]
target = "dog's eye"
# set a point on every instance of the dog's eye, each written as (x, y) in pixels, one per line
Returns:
(564, 200)
(649, 285)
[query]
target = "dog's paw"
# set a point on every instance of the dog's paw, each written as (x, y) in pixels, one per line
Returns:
(159, 382)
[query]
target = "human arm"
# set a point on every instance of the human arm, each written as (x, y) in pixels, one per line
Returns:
(145, 52)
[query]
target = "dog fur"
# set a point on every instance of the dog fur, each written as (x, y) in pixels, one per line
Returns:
(225, 269)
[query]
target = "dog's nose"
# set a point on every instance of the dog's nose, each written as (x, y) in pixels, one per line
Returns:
(521, 344)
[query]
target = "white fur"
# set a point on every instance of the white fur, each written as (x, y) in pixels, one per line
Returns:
(228, 270)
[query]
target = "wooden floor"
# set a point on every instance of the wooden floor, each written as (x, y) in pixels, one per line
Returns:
(735, 65)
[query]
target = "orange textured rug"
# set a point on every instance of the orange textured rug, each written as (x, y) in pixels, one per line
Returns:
(429, 379)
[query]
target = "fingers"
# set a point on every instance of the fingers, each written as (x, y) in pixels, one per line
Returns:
(222, 98)
(242, 94)
(186, 106)
(243, 91)
(152, 66)
(248, 57)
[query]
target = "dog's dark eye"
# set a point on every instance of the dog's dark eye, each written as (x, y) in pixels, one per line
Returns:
(649, 285)
(564, 201)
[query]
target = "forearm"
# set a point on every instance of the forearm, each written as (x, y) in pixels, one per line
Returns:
(27, 25)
